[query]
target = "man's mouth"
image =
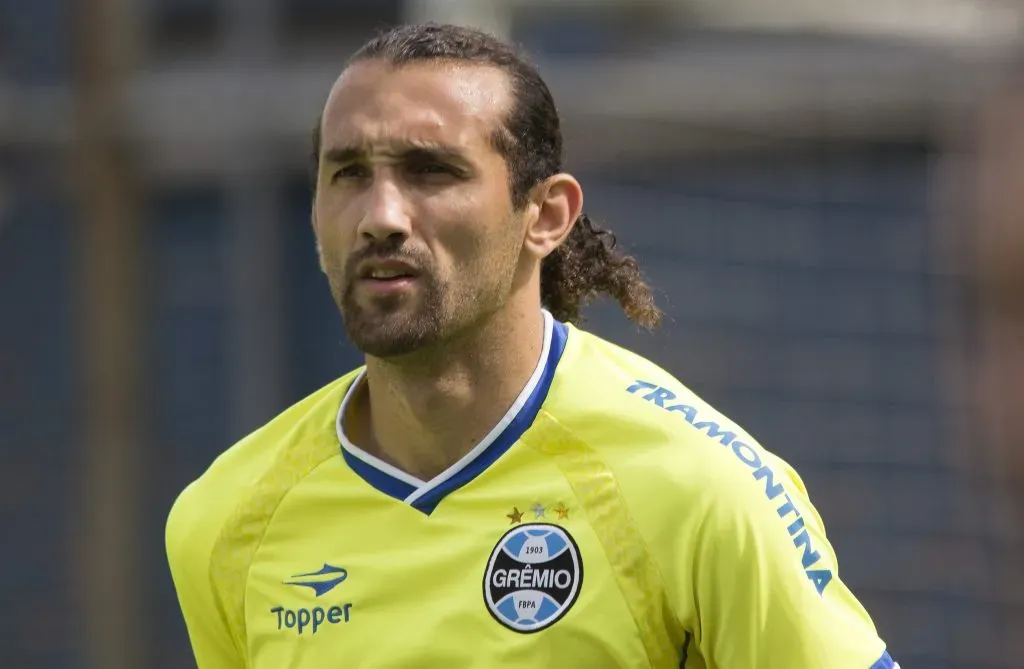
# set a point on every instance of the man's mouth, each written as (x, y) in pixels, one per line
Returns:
(389, 274)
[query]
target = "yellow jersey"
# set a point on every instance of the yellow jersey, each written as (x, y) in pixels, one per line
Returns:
(611, 519)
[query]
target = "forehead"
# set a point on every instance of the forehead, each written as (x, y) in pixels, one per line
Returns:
(376, 103)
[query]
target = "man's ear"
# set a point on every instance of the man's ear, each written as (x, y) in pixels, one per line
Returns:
(557, 202)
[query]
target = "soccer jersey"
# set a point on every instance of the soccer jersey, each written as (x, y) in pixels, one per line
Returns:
(610, 519)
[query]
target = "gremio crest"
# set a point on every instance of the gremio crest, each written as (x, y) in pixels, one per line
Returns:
(533, 577)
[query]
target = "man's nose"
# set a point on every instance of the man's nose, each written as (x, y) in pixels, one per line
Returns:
(386, 212)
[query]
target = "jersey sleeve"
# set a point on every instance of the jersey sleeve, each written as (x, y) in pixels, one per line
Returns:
(766, 584)
(190, 536)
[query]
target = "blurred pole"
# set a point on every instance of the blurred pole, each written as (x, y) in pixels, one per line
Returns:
(255, 249)
(106, 554)
(257, 315)
(494, 16)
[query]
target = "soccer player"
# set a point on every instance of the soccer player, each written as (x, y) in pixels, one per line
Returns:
(495, 487)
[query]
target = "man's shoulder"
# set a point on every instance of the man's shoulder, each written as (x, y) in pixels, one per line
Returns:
(648, 424)
(612, 396)
(682, 467)
(293, 440)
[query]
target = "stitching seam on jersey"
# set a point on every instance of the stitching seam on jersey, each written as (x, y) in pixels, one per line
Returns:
(242, 534)
(573, 455)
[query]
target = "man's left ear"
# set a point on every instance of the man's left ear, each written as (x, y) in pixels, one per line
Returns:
(556, 204)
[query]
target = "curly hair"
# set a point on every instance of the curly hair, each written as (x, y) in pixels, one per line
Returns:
(588, 263)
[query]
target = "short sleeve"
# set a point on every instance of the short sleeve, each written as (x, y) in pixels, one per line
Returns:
(189, 542)
(766, 585)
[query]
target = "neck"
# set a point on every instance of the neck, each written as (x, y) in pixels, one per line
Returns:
(423, 414)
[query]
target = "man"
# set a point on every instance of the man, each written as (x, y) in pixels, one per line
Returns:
(495, 488)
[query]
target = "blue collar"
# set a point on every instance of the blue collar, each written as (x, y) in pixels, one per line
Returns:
(426, 495)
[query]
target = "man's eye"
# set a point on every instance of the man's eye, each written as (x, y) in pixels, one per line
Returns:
(430, 168)
(350, 172)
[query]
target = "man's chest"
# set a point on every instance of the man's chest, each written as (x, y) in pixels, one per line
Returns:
(485, 580)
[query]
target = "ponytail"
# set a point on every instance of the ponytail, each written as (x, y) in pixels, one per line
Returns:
(587, 265)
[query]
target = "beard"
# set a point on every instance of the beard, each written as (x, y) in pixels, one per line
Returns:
(394, 325)
(387, 326)
(434, 312)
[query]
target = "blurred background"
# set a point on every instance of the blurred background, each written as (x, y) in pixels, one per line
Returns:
(828, 197)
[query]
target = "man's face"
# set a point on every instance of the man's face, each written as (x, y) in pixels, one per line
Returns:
(413, 214)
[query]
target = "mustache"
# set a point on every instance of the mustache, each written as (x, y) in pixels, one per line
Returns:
(387, 249)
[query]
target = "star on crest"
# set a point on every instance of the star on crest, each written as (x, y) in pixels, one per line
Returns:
(562, 510)
(538, 510)
(516, 516)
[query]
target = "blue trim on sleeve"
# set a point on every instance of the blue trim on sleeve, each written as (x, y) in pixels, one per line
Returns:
(884, 662)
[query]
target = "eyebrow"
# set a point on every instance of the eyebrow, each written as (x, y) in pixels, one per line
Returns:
(346, 154)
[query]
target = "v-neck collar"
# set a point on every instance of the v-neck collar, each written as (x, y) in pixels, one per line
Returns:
(426, 495)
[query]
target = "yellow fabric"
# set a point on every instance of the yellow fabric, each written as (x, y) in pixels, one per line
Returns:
(640, 583)
(694, 542)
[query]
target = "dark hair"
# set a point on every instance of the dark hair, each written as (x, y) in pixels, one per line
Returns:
(588, 263)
